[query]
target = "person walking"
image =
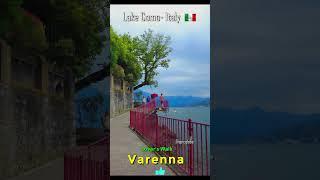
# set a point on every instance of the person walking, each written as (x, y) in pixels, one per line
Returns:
(144, 100)
(161, 100)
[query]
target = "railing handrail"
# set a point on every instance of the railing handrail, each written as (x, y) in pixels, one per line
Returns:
(184, 120)
(85, 147)
(154, 100)
(164, 131)
(88, 162)
(142, 105)
(181, 120)
(97, 142)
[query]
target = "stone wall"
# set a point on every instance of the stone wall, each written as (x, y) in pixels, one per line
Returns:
(120, 96)
(35, 125)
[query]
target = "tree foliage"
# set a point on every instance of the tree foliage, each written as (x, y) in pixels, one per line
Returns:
(153, 51)
(124, 56)
(75, 30)
(140, 56)
(9, 13)
(20, 28)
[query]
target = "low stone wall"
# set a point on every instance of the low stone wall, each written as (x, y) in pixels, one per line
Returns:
(120, 97)
(36, 125)
(34, 128)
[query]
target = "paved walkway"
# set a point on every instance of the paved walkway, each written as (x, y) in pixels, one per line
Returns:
(123, 142)
(51, 171)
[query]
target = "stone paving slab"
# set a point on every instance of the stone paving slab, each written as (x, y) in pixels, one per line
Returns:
(123, 142)
(51, 171)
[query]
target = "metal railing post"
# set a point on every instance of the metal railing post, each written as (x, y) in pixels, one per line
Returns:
(65, 167)
(190, 160)
(157, 127)
(159, 131)
(130, 119)
(80, 168)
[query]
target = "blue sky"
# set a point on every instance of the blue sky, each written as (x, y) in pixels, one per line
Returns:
(189, 70)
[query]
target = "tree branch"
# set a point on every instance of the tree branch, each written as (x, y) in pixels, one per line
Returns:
(93, 78)
(141, 85)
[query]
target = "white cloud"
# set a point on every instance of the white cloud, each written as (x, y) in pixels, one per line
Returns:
(189, 69)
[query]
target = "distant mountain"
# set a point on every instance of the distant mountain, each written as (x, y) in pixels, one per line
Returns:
(257, 125)
(187, 101)
(177, 101)
(138, 94)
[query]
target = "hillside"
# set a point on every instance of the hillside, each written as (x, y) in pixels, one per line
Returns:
(256, 125)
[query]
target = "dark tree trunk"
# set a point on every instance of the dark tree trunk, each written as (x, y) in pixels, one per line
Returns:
(140, 85)
(93, 78)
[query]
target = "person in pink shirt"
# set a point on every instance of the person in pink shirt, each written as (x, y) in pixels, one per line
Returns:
(161, 100)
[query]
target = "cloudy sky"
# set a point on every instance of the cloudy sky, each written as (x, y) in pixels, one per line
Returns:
(189, 70)
(267, 54)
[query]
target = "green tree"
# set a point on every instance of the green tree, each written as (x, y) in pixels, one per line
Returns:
(20, 28)
(75, 29)
(74, 33)
(140, 57)
(124, 57)
(153, 50)
(10, 13)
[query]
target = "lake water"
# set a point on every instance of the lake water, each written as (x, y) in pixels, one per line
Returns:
(197, 114)
(200, 135)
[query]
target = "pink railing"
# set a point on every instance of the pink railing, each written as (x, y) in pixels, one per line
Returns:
(161, 131)
(89, 162)
(148, 108)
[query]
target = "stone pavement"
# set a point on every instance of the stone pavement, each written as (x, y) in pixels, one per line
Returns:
(123, 142)
(51, 171)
